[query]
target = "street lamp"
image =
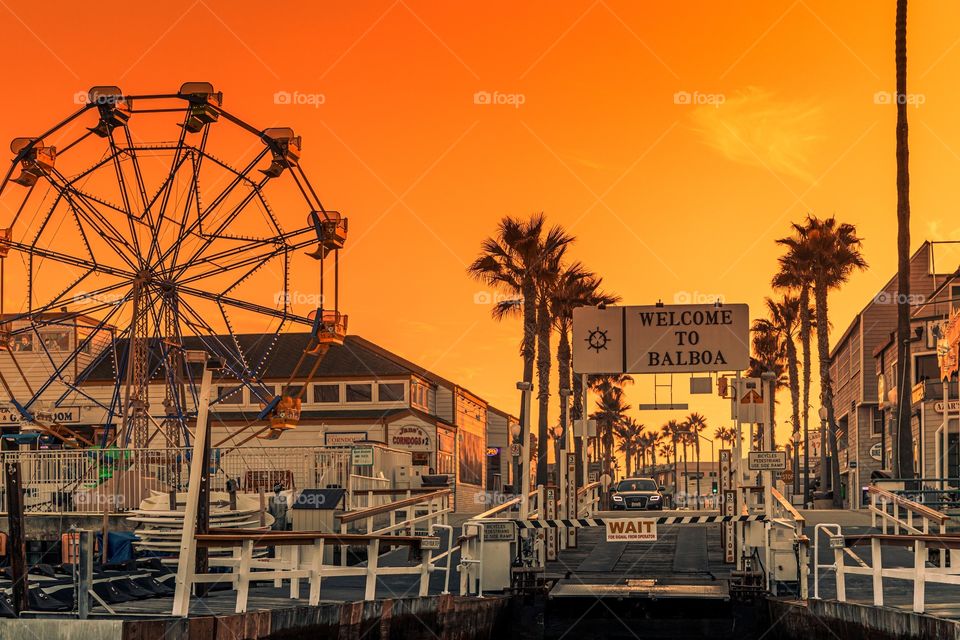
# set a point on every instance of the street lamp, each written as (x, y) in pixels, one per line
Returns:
(824, 477)
(525, 388)
(557, 432)
(515, 432)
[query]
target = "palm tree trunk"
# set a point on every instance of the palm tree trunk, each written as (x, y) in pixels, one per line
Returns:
(904, 456)
(696, 447)
(543, 386)
(826, 390)
(686, 473)
(563, 382)
(528, 349)
(805, 347)
(793, 374)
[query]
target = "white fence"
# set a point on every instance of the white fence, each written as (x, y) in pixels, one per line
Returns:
(94, 480)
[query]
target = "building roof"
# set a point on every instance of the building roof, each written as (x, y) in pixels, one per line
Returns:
(355, 358)
(321, 415)
(501, 412)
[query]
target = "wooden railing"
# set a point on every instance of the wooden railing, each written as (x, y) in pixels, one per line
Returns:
(588, 499)
(290, 564)
(425, 510)
(920, 574)
(880, 502)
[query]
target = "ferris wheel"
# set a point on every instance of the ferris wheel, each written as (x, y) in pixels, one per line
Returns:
(137, 232)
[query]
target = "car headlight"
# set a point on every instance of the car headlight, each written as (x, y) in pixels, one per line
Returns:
(654, 498)
(618, 498)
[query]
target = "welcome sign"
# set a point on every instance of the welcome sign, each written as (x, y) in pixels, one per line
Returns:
(661, 338)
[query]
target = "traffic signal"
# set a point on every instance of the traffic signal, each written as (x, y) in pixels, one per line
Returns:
(714, 486)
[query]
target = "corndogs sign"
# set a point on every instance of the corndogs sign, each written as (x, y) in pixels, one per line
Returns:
(661, 339)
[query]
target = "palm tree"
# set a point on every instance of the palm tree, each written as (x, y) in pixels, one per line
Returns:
(523, 260)
(509, 261)
(796, 274)
(834, 252)
(784, 316)
(575, 287)
(695, 424)
(630, 432)
(551, 250)
(769, 355)
(724, 435)
(904, 440)
(611, 408)
(648, 447)
(674, 432)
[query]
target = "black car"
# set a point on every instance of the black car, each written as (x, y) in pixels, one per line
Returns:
(636, 493)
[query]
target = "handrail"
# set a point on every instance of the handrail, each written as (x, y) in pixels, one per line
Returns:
(489, 513)
(789, 508)
(936, 541)
(360, 514)
(234, 537)
(909, 505)
(587, 487)
(919, 574)
(394, 491)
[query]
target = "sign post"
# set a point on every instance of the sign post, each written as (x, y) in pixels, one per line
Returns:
(571, 502)
(728, 506)
(551, 514)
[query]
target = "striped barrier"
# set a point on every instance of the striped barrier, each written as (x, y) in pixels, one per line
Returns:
(581, 523)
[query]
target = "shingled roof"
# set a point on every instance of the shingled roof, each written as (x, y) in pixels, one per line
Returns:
(356, 357)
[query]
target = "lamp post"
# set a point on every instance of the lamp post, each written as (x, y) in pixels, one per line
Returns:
(770, 378)
(525, 391)
(824, 471)
(557, 433)
(515, 432)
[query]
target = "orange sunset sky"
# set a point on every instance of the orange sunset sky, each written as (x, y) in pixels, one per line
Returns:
(666, 198)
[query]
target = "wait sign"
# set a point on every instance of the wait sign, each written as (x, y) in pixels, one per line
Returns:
(632, 530)
(661, 339)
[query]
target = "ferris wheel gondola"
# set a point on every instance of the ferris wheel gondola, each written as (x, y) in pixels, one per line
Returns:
(131, 248)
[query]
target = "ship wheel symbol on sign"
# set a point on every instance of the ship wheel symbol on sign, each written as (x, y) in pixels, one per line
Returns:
(597, 339)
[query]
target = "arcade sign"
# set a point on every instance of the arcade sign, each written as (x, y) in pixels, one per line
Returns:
(661, 339)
